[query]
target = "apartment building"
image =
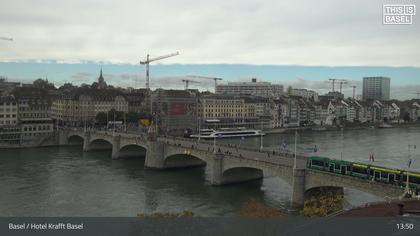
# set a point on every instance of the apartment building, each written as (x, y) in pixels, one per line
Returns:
(254, 88)
(80, 106)
(34, 113)
(376, 88)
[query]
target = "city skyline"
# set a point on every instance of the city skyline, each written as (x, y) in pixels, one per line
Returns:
(405, 81)
(298, 44)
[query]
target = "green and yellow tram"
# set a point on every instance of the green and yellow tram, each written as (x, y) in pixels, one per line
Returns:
(364, 171)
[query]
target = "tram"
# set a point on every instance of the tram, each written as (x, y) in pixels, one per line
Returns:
(365, 171)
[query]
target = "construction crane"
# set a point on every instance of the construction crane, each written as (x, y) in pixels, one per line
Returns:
(418, 95)
(206, 77)
(147, 63)
(333, 83)
(187, 82)
(341, 84)
(340, 81)
(6, 38)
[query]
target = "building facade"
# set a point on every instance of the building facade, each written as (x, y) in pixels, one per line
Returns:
(254, 88)
(81, 106)
(174, 111)
(305, 93)
(34, 114)
(376, 88)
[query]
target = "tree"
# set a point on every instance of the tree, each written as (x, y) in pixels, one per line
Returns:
(94, 85)
(101, 118)
(406, 116)
(289, 90)
(119, 115)
(44, 84)
(133, 117)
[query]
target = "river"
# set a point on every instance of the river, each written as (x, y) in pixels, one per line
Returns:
(65, 181)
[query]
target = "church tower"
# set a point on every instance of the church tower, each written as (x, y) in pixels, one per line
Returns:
(101, 81)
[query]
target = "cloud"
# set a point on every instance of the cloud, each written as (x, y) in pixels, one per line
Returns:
(237, 31)
(405, 92)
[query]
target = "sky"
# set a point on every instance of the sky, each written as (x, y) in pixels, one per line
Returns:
(299, 43)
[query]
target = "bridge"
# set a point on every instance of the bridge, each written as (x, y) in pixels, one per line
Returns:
(227, 164)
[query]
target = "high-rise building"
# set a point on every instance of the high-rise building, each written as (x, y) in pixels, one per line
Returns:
(376, 88)
(261, 89)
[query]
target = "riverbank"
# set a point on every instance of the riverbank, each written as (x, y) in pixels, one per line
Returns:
(337, 128)
(40, 141)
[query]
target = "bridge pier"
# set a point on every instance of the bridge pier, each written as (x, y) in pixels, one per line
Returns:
(116, 147)
(217, 170)
(298, 188)
(62, 137)
(155, 155)
(86, 141)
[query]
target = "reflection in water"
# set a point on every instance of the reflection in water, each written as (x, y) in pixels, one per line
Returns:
(64, 181)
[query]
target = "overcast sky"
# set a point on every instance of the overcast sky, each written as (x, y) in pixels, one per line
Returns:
(271, 32)
(304, 32)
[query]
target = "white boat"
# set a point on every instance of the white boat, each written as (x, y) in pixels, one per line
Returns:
(206, 131)
(229, 133)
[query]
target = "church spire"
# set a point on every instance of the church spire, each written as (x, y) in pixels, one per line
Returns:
(101, 81)
(101, 78)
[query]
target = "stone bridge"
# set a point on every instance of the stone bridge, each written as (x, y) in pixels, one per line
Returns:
(227, 164)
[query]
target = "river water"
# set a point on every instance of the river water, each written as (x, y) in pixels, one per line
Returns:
(65, 181)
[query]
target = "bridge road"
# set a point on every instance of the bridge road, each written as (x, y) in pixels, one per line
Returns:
(284, 159)
(280, 158)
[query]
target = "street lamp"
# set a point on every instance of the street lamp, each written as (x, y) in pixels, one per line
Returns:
(214, 142)
(199, 129)
(261, 137)
(295, 159)
(342, 142)
(113, 130)
(125, 122)
(407, 186)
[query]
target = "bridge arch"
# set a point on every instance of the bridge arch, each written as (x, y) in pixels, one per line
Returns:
(183, 160)
(319, 179)
(132, 150)
(241, 174)
(75, 139)
(100, 144)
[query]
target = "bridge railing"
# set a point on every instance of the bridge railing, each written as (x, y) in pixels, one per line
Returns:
(287, 153)
(263, 157)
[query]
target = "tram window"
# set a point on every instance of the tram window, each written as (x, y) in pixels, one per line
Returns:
(397, 177)
(384, 175)
(359, 170)
(337, 167)
(415, 180)
(317, 163)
